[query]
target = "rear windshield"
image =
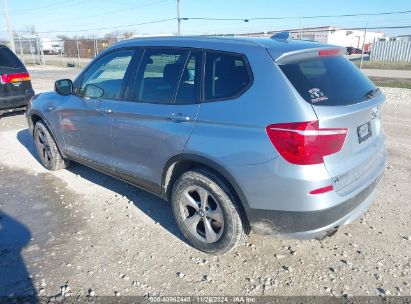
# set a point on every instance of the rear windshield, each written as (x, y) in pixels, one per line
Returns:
(329, 81)
(8, 59)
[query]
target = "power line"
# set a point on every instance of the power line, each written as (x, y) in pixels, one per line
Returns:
(296, 17)
(322, 29)
(384, 27)
(107, 28)
(315, 29)
(22, 11)
(222, 19)
(112, 12)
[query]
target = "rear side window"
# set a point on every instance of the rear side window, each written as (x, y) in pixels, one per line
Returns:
(8, 59)
(226, 75)
(328, 81)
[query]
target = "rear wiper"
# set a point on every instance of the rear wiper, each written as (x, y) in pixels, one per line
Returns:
(372, 93)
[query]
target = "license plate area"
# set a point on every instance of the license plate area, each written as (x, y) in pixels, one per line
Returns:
(364, 132)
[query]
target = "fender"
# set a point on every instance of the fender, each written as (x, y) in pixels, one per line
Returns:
(42, 117)
(202, 160)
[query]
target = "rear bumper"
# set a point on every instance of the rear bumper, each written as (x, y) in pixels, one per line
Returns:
(12, 102)
(311, 224)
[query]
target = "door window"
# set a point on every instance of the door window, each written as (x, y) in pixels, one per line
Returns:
(158, 76)
(105, 78)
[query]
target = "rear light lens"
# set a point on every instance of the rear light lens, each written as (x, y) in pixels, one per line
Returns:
(304, 143)
(322, 190)
(332, 52)
(17, 77)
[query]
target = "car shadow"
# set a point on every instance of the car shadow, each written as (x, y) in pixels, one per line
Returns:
(26, 140)
(156, 208)
(15, 282)
(11, 113)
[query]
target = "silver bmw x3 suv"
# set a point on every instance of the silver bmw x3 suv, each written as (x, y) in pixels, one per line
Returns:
(276, 136)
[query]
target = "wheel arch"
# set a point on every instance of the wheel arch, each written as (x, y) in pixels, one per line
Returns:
(181, 163)
(35, 117)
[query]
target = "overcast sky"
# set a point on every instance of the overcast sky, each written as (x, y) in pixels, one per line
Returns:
(97, 17)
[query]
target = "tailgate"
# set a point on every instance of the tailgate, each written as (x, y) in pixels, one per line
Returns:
(362, 156)
(342, 98)
(14, 82)
(14, 79)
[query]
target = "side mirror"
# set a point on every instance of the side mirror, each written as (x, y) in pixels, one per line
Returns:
(93, 91)
(63, 87)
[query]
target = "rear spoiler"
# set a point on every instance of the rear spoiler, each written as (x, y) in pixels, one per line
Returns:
(309, 53)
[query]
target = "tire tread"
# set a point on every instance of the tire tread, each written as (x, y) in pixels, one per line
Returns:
(238, 217)
(59, 162)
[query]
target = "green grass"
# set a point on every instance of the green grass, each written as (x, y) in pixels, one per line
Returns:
(384, 65)
(392, 82)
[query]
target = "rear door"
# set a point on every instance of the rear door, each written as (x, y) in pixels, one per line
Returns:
(15, 85)
(343, 97)
(156, 118)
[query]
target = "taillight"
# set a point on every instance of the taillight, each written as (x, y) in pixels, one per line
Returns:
(330, 52)
(17, 77)
(304, 143)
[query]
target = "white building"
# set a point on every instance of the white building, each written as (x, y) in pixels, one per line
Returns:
(329, 34)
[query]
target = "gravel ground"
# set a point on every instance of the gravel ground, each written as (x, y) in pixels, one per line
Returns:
(80, 232)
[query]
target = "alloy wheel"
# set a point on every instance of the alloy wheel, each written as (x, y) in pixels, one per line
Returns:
(202, 214)
(43, 147)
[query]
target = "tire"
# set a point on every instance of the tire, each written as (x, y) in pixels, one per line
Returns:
(49, 154)
(216, 226)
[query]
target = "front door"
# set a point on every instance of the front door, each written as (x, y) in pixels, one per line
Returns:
(86, 117)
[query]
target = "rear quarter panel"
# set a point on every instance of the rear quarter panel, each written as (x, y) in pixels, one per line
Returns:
(232, 132)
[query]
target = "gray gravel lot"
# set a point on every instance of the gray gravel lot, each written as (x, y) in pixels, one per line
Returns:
(80, 228)
(387, 73)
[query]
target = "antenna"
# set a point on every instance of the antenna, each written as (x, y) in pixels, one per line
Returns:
(281, 35)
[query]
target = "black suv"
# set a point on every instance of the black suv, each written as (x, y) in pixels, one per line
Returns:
(15, 84)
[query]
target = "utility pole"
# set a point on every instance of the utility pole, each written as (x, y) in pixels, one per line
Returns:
(9, 28)
(363, 45)
(178, 18)
(21, 50)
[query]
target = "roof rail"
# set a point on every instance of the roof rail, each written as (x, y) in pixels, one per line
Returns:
(281, 35)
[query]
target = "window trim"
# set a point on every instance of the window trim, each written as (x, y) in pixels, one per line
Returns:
(249, 71)
(199, 88)
(79, 80)
(128, 97)
(136, 63)
(173, 99)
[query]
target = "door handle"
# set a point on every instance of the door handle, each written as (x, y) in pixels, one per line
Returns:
(105, 110)
(179, 117)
